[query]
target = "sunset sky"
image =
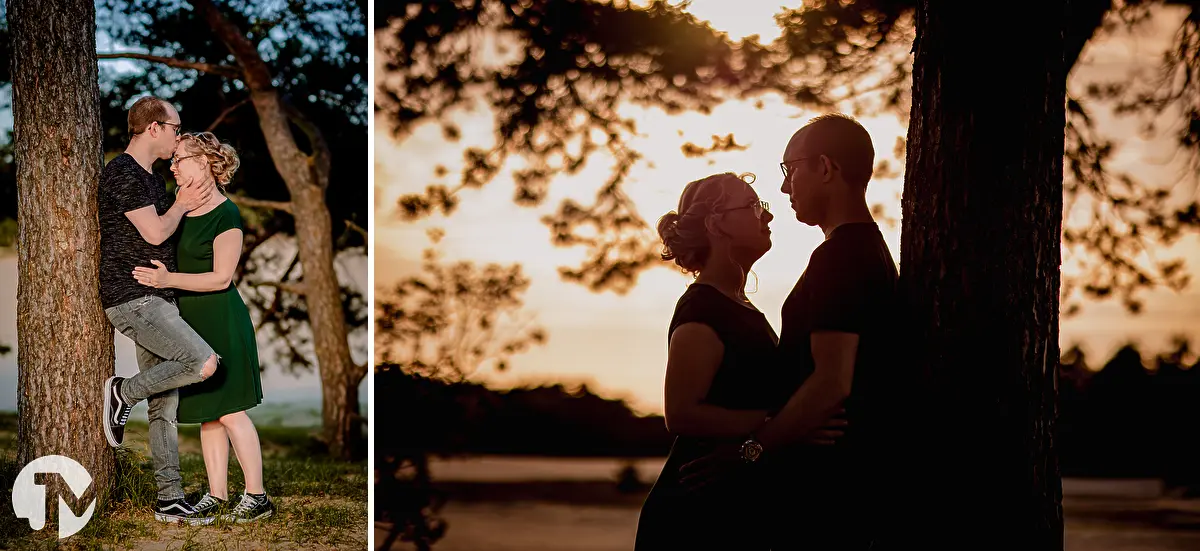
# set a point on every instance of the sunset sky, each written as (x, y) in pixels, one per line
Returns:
(617, 344)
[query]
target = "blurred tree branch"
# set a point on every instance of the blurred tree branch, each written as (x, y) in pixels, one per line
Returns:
(225, 113)
(293, 288)
(356, 228)
(251, 202)
(558, 104)
(222, 70)
(453, 319)
(554, 75)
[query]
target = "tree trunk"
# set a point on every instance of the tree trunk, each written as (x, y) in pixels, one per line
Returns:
(307, 179)
(64, 341)
(980, 268)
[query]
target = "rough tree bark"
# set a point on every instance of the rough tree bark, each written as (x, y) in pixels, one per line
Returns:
(307, 180)
(980, 268)
(65, 343)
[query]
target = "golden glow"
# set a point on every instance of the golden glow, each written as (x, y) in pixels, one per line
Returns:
(618, 344)
(739, 19)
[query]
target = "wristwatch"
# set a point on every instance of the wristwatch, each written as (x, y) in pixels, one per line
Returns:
(751, 450)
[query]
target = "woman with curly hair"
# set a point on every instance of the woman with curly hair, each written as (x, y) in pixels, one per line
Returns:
(722, 380)
(208, 251)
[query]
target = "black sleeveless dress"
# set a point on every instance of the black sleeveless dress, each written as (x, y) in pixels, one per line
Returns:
(730, 513)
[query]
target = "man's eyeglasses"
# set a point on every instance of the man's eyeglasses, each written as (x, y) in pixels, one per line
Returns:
(759, 208)
(787, 169)
(175, 127)
(177, 160)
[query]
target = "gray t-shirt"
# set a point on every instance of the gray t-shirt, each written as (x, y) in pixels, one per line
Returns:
(124, 187)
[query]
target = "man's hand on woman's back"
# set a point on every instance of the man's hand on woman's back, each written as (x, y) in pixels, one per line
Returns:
(698, 473)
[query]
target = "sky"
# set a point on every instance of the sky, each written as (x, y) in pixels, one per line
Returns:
(618, 344)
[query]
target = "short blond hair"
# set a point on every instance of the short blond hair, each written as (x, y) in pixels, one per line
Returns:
(146, 111)
(684, 231)
(222, 158)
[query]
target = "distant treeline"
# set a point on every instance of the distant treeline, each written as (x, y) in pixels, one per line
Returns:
(420, 414)
(1135, 417)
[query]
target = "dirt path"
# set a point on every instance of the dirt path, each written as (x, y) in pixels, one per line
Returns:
(1092, 525)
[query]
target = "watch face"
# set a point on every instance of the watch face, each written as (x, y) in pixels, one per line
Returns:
(751, 450)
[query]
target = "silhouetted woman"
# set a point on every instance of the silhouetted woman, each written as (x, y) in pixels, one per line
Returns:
(721, 378)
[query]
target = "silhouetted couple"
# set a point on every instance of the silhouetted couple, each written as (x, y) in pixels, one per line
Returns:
(166, 282)
(782, 442)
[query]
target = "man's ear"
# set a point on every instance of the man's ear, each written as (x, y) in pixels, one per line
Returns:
(828, 166)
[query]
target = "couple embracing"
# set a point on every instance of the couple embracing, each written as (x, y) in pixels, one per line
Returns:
(785, 441)
(166, 282)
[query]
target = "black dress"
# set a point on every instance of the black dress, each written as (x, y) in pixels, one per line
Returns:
(731, 513)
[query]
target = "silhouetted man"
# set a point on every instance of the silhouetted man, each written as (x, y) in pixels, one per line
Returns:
(836, 337)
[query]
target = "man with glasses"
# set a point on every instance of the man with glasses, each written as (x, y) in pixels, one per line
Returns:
(137, 221)
(837, 340)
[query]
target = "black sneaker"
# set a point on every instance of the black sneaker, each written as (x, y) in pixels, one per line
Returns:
(178, 510)
(116, 411)
(211, 506)
(251, 509)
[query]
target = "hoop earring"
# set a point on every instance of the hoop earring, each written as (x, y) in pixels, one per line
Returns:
(729, 256)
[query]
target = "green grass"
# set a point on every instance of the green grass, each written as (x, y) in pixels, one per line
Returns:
(321, 503)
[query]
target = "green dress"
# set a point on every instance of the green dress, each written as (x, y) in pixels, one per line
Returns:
(222, 320)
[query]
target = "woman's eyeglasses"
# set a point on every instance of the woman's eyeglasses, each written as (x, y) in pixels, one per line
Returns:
(177, 160)
(759, 208)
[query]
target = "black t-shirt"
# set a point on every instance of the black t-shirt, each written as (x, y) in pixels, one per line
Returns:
(849, 286)
(124, 187)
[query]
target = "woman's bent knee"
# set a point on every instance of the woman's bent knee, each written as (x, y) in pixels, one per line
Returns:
(209, 367)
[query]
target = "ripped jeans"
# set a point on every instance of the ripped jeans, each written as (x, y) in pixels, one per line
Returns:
(170, 354)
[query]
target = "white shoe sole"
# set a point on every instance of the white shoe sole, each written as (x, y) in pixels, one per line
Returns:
(204, 521)
(245, 520)
(108, 406)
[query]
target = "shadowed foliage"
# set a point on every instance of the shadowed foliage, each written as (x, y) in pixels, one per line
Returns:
(554, 78)
(453, 319)
(554, 73)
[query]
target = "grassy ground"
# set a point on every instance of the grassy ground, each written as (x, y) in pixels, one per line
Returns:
(320, 503)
